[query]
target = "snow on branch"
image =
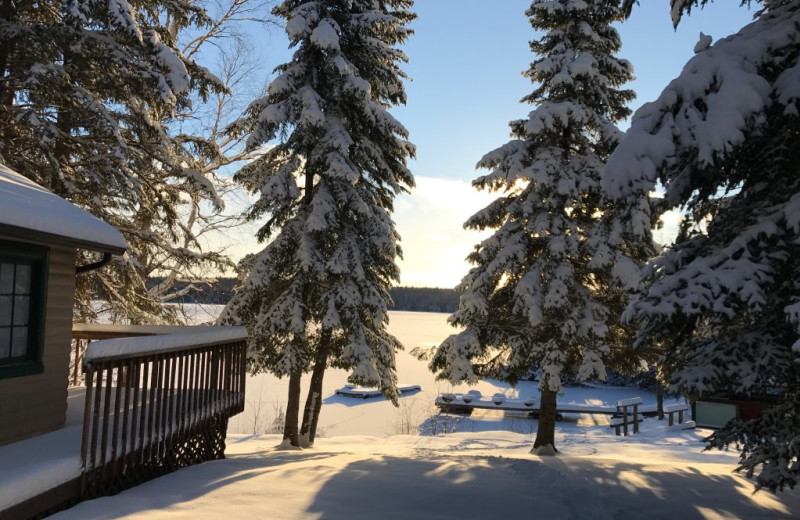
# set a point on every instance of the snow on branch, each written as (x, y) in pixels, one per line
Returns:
(706, 112)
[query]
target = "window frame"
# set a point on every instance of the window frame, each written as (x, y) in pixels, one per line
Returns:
(38, 257)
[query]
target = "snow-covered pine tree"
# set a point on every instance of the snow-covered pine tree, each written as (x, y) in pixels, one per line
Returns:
(87, 87)
(541, 295)
(318, 292)
(723, 139)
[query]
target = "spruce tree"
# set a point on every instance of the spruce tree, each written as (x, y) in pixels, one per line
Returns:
(317, 294)
(86, 92)
(722, 139)
(544, 292)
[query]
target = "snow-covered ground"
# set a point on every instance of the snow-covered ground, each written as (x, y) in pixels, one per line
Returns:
(482, 475)
(371, 461)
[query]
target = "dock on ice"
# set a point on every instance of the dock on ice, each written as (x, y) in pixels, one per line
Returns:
(624, 412)
(466, 403)
(367, 392)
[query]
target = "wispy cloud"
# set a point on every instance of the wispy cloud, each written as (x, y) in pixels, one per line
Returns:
(430, 221)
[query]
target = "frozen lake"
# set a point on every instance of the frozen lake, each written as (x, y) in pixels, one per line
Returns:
(266, 395)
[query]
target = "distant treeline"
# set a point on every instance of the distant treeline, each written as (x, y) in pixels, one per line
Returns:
(420, 299)
(424, 299)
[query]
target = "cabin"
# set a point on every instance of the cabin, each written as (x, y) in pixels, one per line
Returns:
(39, 236)
(148, 400)
(716, 410)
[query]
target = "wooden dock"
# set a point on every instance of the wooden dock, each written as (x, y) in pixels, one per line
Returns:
(624, 413)
(363, 392)
(458, 404)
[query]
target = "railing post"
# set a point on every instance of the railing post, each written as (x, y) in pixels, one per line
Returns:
(242, 373)
(117, 409)
(96, 418)
(625, 420)
(146, 367)
(107, 368)
(77, 359)
(152, 415)
(214, 360)
(87, 416)
(123, 458)
(182, 393)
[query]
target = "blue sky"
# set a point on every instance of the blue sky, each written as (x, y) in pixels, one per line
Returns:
(466, 60)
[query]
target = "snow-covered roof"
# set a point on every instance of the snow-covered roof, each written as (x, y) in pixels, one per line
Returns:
(29, 211)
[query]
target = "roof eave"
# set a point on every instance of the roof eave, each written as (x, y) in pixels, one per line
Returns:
(43, 237)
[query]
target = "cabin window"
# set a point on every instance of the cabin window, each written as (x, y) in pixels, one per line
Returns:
(23, 273)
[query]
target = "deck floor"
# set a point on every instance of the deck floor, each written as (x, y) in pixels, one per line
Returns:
(33, 466)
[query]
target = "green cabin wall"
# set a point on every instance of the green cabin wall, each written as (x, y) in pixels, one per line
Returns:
(35, 404)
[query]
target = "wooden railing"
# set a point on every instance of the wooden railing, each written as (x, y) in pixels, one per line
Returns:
(83, 333)
(157, 405)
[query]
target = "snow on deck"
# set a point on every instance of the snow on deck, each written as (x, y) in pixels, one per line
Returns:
(25, 204)
(109, 348)
(33, 466)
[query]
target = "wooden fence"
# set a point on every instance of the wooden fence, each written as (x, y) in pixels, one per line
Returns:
(149, 414)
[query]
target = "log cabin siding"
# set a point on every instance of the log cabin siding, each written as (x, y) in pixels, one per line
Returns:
(35, 404)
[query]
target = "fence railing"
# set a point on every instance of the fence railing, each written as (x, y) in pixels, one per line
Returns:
(83, 333)
(157, 404)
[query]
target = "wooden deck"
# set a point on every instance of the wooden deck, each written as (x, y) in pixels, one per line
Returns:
(150, 406)
(34, 472)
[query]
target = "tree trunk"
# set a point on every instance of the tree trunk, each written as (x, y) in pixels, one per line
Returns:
(62, 150)
(545, 443)
(313, 406)
(290, 435)
(290, 431)
(9, 14)
(660, 400)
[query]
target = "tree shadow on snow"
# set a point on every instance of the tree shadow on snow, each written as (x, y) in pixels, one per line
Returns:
(554, 488)
(195, 482)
